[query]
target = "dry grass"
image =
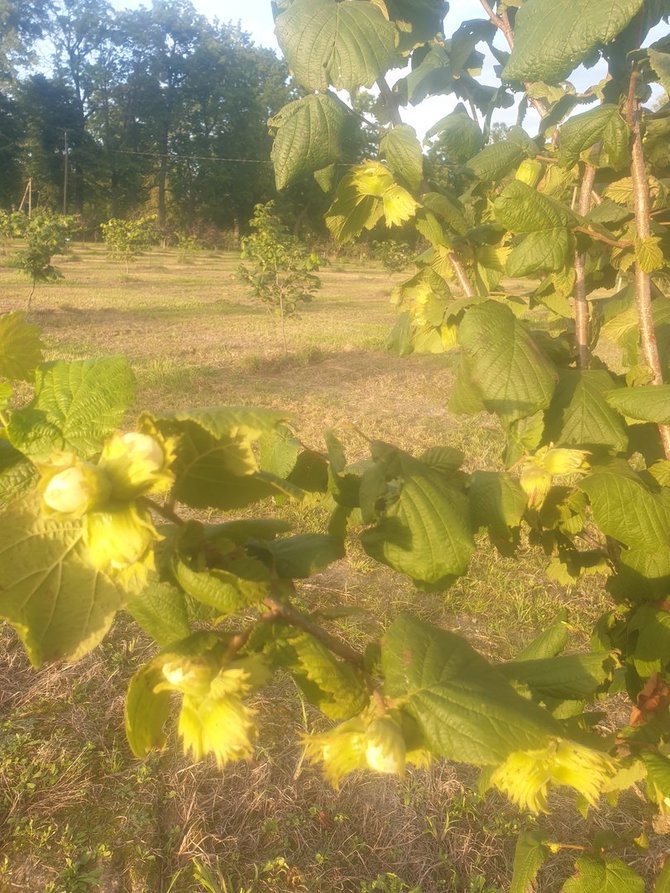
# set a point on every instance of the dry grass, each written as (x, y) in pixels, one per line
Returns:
(79, 814)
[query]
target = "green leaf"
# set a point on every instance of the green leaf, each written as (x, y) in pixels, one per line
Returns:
(522, 209)
(626, 510)
(660, 62)
(76, 406)
(299, 557)
(282, 455)
(512, 376)
(649, 254)
(444, 458)
(580, 414)
(326, 177)
(401, 336)
(402, 150)
(497, 503)
(16, 473)
(245, 529)
(603, 125)
(424, 17)
(348, 45)
(351, 212)
(658, 778)
(160, 609)
(550, 641)
(608, 875)
(279, 451)
(545, 251)
(59, 604)
(449, 210)
(245, 582)
(431, 75)
(460, 137)
(565, 677)
(608, 213)
(6, 391)
(552, 37)
(20, 347)
(330, 684)
(146, 711)
(216, 465)
(494, 161)
(424, 528)
(662, 884)
(462, 58)
(643, 573)
(648, 403)
(653, 640)
(308, 136)
(530, 855)
(237, 427)
(465, 708)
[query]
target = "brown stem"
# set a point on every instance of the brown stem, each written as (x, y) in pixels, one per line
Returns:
(642, 222)
(239, 640)
(599, 237)
(164, 511)
(504, 25)
(462, 276)
(282, 317)
(581, 305)
(285, 611)
(390, 101)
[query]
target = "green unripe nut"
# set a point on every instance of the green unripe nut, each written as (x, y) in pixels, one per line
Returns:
(135, 463)
(385, 749)
(117, 539)
(530, 172)
(75, 490)
(564, 461)
(535, 482)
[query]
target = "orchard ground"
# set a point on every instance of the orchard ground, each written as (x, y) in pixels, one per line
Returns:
(78, 812)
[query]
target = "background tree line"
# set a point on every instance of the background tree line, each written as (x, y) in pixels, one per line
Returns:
(159, 108)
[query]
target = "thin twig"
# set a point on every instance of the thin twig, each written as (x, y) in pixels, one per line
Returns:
(504, 25)
(581, 305)
(239, 640)
(165, 511)
(462, 276)
(390, 101)
(599, 237)
(285, 611)
(642, 222)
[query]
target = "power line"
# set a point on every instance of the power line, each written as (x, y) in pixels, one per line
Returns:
(192, 157)
(174, 155)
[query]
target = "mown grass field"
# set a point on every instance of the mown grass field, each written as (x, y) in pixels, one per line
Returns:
(78, 813)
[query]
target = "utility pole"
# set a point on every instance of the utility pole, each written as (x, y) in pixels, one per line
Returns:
(65, 171)
(28, 194)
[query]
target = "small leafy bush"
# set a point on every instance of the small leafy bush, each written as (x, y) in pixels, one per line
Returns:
(45, 235)
(394, 256)
(280, 271)
(12, 226)
(187, 245)
(128, 239)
